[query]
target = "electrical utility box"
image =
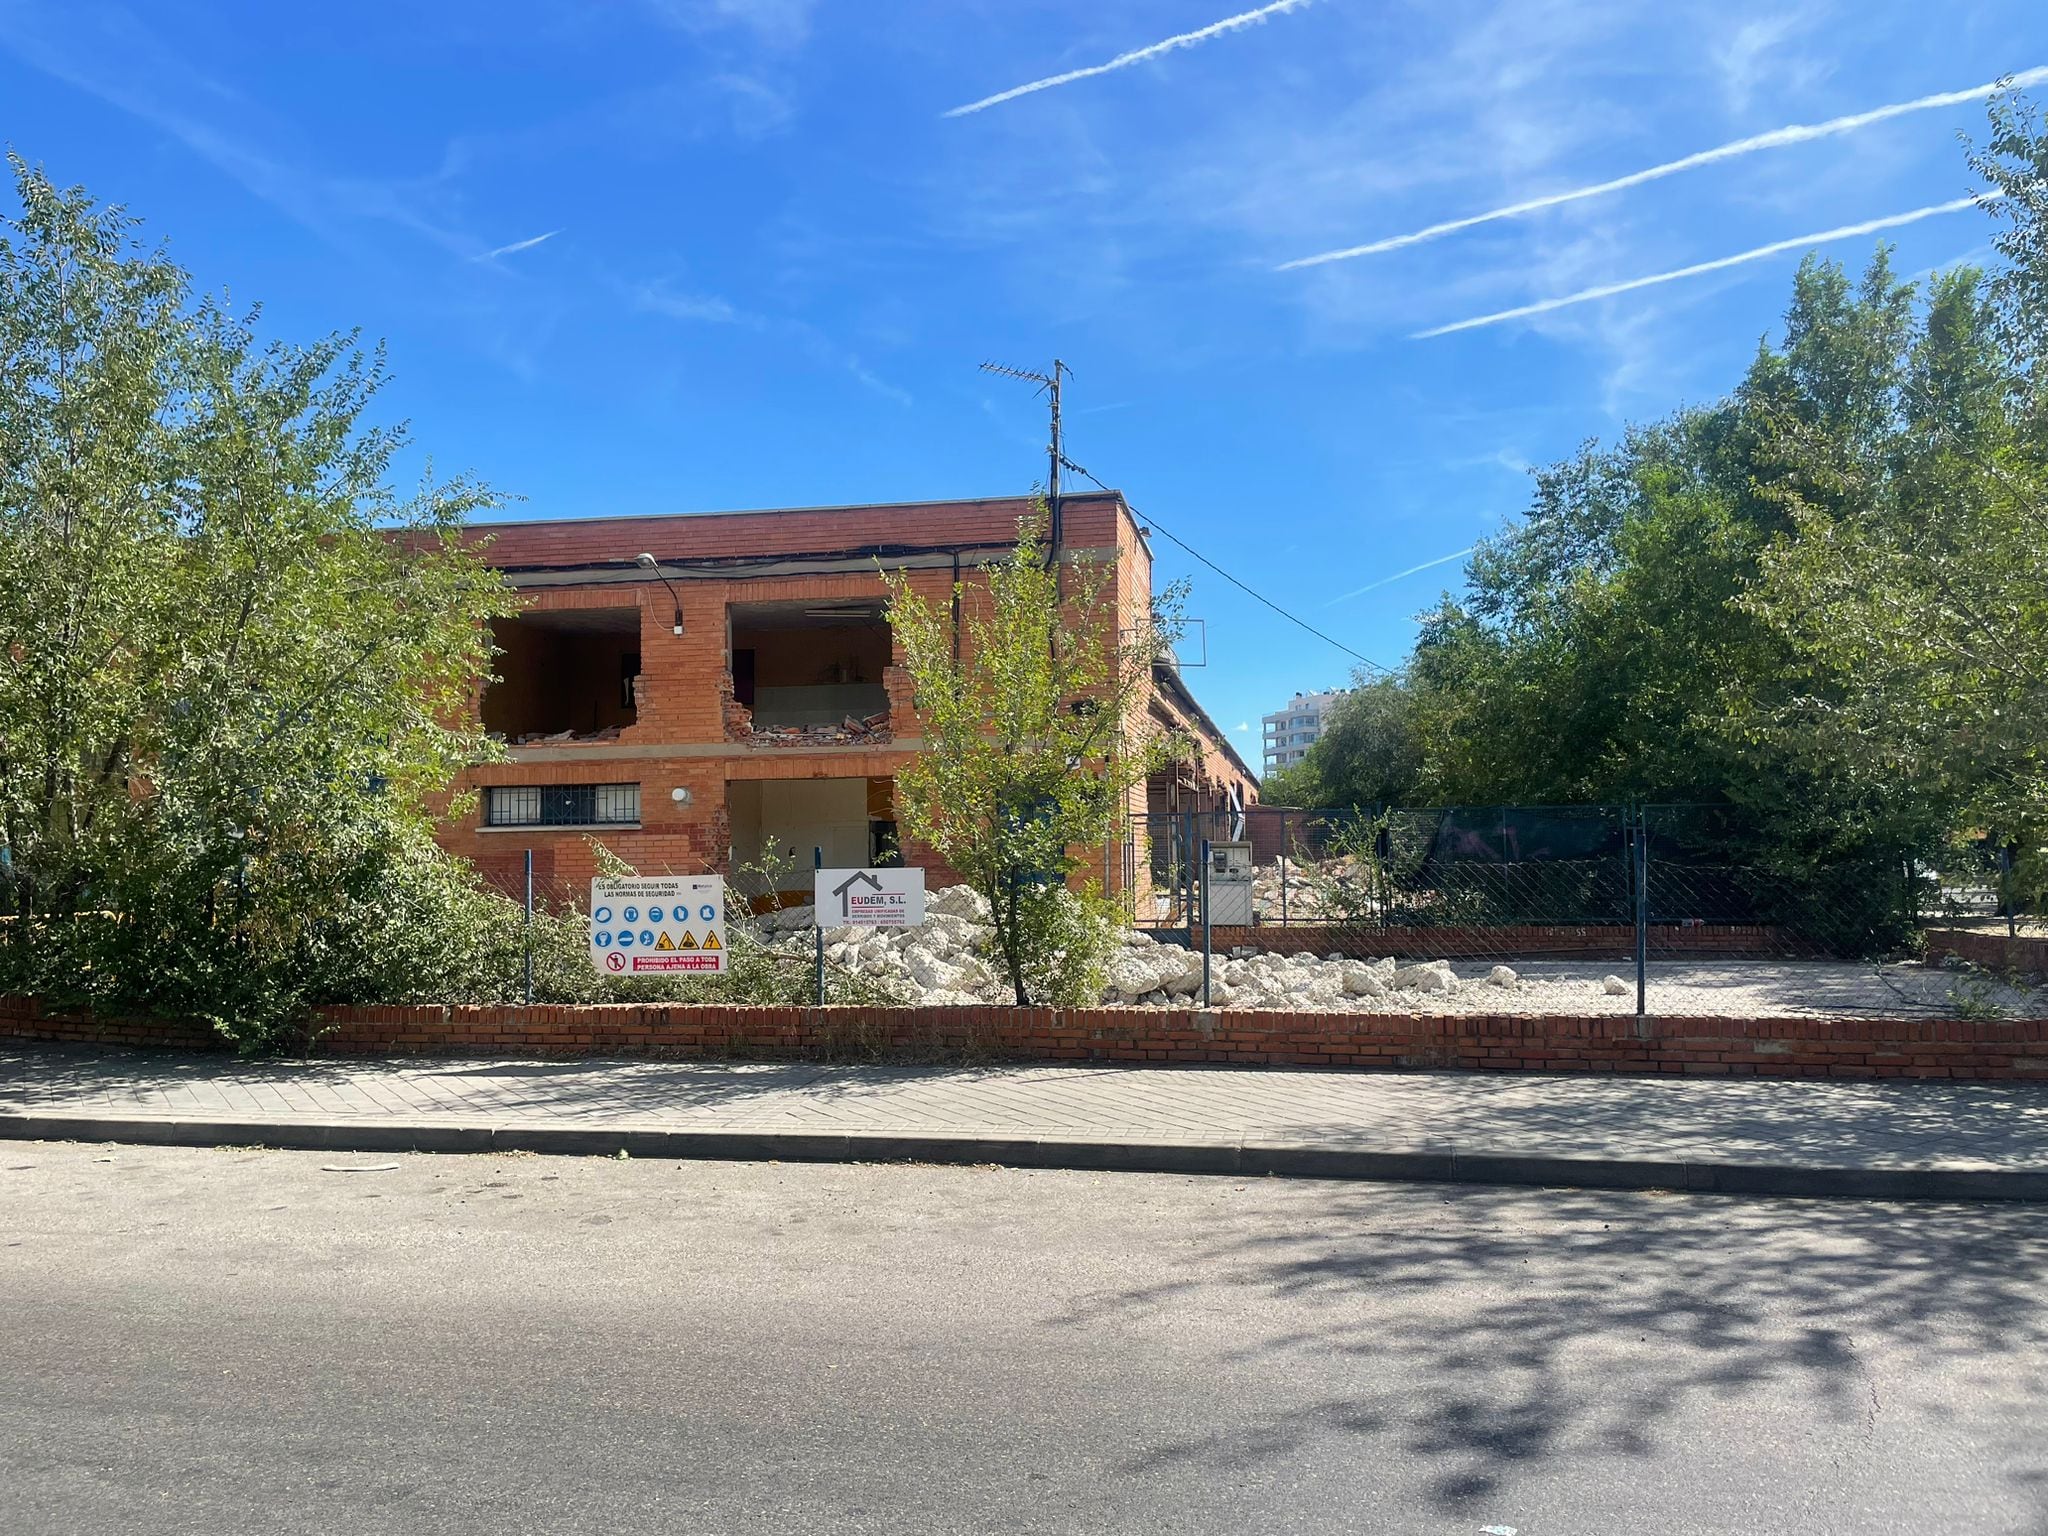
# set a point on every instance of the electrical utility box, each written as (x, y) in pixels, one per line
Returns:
(1230, 884)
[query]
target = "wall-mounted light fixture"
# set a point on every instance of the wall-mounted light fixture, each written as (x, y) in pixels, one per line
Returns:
(647, 562)
(680, 795)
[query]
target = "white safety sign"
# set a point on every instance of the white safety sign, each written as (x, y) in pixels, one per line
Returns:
(869, 898)
(657, 925)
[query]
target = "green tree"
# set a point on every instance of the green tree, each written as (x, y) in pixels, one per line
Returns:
(1369, 753)
(1036, 735)
(1914, 590)
(235, 658)
(1586, 662)
(1297, 784)
(1617, 644)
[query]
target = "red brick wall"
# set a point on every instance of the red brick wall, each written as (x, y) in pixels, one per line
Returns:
(1994, 951)
(1972, 1050)
(23, 1018)
(1091, 522)
(679, 739)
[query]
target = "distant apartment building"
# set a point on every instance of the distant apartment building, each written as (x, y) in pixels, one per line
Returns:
(1291, 731)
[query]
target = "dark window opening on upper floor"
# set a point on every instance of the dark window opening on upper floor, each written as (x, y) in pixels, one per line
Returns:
(564, 674)
(810, 670)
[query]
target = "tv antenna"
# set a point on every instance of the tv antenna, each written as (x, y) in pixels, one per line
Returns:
(1049, 386)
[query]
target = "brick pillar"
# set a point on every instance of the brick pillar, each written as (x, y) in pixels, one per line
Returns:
(739, 720)
(902, 700)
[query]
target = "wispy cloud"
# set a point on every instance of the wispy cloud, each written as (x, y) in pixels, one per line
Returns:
(517, 246)
(1976, 256)
(1006, 423)
(775, 23)
(1755, 60)
(111, 53)
(756, 108)
(1413, 570)
(709, 309)
(706, 308)
(1192, 39)
(1777, 138)
(1776, 247)
(1501, 458)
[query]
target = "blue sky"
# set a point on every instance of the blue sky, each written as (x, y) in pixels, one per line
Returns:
(772, 261)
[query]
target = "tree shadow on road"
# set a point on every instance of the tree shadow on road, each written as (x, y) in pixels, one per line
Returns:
(1507, 1328)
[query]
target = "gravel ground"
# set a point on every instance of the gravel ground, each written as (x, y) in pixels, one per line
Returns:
(1727, 989)
(1997, 927)
(947, 961)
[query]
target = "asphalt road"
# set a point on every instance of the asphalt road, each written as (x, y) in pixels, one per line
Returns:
(238, 1341)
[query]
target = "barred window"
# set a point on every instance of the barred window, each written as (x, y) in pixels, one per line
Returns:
(562, 805)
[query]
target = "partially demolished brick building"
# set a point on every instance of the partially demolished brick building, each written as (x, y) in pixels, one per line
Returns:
(722, 691)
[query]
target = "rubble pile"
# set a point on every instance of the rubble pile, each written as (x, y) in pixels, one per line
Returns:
(852, 729)
(1313, 892)
(950, 960)
(551, 738)
(1304, 896)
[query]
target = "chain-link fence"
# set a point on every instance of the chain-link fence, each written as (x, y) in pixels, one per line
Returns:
(1677, 908)
(773, 956)
(1531, 909)
(1990, 885)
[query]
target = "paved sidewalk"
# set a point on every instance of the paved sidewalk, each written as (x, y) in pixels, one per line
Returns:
(1888, 1140)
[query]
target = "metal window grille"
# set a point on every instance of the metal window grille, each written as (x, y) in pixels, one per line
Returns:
(562, 805)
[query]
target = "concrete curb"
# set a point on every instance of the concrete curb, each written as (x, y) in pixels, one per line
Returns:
(1436, 1163)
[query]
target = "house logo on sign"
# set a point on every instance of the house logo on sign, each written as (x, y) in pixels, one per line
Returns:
(869, 898)
(843, 890)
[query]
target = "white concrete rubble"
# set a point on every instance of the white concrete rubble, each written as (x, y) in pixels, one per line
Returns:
(951, 959)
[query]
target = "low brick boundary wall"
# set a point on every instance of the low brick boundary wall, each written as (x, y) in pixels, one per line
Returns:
(1593, 941)
(1977, 1050)
(1993, 951)
(24, 1018)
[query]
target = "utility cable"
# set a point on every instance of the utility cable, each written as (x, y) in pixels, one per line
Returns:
(1152, 523)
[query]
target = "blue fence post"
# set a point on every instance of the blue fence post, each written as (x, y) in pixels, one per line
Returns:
(529, 928)
(2006, 895)
(1207, 936)
(1380, 902)
(818, 922)
(1642, 912)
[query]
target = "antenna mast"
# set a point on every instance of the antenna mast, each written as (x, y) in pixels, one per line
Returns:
(1048, 385)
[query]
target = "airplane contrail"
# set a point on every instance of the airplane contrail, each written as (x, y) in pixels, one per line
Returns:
(515, 246)
(1777, 138)
(1413, 570)
(1607, 290)
(1136, 55)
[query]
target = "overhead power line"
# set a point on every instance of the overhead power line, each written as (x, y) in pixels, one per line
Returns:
(1153, 524)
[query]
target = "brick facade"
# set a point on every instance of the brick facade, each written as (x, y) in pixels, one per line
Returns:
(1961, 1050)
(689, 731)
